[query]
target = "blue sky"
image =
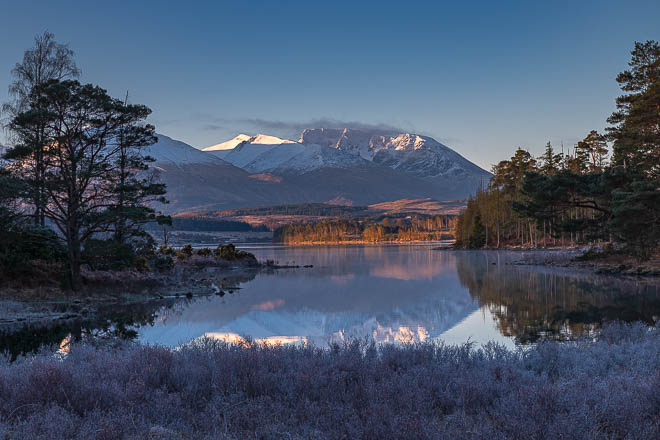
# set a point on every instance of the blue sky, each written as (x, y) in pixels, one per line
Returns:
(483, 77)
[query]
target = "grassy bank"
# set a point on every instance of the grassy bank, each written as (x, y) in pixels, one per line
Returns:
(47, 305)
(609, 388)
(178, 270)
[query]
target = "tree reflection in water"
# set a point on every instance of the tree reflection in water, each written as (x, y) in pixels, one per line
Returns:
(533, 304)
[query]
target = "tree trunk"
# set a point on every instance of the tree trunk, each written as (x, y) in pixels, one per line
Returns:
(543, 233)
(74, 251)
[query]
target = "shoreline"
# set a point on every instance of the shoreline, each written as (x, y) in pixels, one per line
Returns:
(584, 259)
(362, 242)
(43, 307)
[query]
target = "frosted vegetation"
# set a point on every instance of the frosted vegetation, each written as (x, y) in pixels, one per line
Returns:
(607, 388)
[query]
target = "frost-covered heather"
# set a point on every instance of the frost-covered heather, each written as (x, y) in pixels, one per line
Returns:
(604, 389)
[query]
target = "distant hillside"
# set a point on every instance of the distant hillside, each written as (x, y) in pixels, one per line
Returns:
(278, 215)
(207, 224)
(315, 209)
(420, 206)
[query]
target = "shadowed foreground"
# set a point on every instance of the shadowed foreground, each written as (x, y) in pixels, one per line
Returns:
(604, 389)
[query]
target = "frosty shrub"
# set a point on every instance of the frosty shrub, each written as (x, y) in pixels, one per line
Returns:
(607, 388)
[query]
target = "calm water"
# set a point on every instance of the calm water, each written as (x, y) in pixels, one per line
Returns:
(388, 293)
(408, 294)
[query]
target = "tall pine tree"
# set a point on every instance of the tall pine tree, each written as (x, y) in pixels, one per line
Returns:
(87, 134)
(636, 122)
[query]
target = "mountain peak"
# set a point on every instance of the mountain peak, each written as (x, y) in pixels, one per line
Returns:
(368, 143)
(261, 139)
(230, 144)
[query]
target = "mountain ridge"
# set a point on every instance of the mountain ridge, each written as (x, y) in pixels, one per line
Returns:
(267, 170)
(411, 153)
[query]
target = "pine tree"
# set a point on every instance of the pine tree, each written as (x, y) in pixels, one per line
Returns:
(477, 233)
(549, 162)
(636, 122)
(592, 151)
(133, 187)
(82, 128)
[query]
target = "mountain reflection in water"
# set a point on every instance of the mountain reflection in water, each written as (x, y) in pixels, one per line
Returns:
(405, 294)
(396, 293)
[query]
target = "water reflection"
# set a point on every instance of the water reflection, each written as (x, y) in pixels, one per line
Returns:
(388, 294)
(112, 322)
(407, 294)
(535, 303)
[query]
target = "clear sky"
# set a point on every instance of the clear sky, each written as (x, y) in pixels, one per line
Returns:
(482, 77)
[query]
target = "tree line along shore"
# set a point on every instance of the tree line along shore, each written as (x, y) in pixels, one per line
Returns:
(584, 195)
(345, 231)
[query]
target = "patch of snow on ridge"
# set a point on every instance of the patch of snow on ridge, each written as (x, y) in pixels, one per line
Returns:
(269, 140)
(247, 150)
(262, 139)
(170, 150)
(246, 153)
(230, 144)
(302, 158)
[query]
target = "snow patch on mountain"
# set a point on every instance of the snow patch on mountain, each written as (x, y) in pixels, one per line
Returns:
(245, 153)
(301, 158)
(263, 153)
(241, 139)
(168, 150)
(248, 149)
(230, 144)
(269, 140)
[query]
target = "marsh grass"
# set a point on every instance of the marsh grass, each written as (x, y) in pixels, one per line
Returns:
(607, 388)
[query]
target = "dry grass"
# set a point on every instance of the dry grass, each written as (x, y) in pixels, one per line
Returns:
(209, 390)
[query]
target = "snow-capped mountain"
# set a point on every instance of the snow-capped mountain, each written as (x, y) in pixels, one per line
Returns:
(317, 149)
(199, 180)
(421, 156)
(324, 164)
(286, 156)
